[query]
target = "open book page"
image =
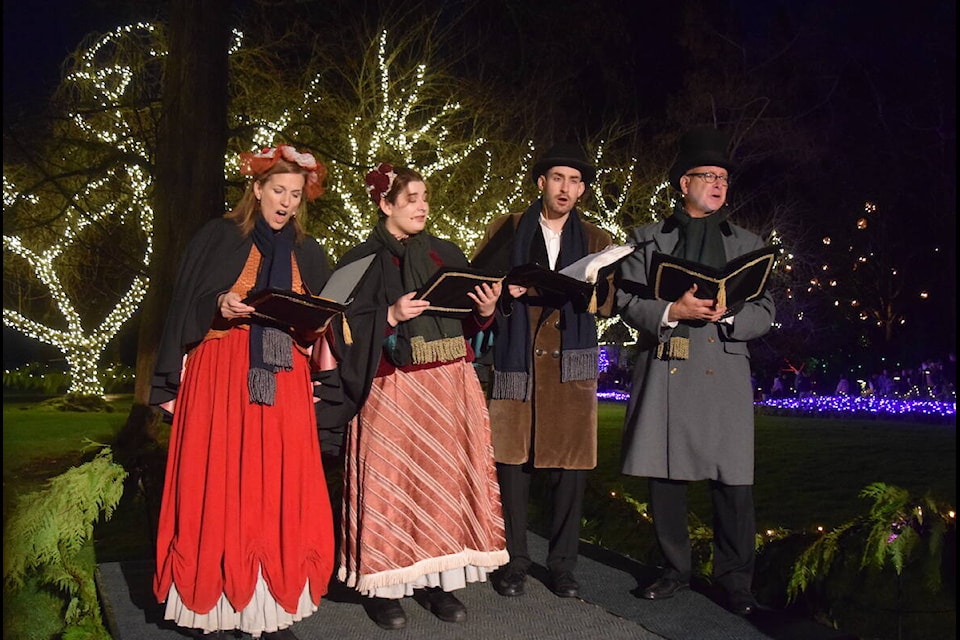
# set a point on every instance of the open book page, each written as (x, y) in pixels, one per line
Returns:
(343, 282)
(588, 267)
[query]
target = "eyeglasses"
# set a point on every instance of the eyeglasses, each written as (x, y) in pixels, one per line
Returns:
(710, 177)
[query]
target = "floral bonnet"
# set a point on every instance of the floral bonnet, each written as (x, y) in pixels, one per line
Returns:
(256, 164)
(379, 181)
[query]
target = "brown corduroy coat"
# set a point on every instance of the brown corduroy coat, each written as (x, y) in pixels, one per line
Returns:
(557, 427)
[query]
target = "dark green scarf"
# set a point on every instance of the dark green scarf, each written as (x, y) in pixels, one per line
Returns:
(426, 338)
(701, 240)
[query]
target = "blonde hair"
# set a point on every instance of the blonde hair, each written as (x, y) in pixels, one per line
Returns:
(248, 208)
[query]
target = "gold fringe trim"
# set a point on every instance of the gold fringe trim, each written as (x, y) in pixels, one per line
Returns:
(592, 307)
(443, 350)
(722, 294)
(674, 349)
(489, 560)
(347, 334)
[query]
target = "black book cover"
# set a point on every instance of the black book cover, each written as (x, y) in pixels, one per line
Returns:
(306, 313)
(301, 312)
(575, 282)
(741, 280)
(551, 283)
(447, 290)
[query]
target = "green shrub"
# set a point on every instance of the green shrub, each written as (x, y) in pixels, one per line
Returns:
(49, 528)
(884, 570)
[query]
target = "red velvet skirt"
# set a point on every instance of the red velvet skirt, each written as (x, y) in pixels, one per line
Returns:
(245, 488)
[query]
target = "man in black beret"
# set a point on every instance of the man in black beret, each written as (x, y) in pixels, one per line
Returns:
(543, 389)
(690, 415)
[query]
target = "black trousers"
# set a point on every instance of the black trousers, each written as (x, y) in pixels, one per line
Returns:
(734, 532)
(567, 487)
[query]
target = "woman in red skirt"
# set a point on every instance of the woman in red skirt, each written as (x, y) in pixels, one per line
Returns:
(245, 535)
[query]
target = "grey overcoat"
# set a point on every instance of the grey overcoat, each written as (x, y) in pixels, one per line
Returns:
(690, 419)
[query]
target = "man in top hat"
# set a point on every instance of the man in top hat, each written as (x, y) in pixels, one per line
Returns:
(543, 390)
(690, 415)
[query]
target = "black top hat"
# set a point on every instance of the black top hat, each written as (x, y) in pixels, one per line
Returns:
(701, 147)
(565, 155)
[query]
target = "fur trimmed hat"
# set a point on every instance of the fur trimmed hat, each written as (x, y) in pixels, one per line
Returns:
(701, 147)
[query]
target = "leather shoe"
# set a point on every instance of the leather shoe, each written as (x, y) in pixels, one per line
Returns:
(743, 604)
(510, 582)
(445, 605)
(388, 614)
(565, 585)
(664, 588)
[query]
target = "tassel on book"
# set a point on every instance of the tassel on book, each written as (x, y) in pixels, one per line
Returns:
(674, 349)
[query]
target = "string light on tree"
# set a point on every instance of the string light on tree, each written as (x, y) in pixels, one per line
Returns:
(118, 200)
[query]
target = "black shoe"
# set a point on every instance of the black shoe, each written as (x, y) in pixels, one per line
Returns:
(742, 604)
(664, 588)
(565, 585)
(510, 582)
(445, 605)
(387, 613)
(282, 634)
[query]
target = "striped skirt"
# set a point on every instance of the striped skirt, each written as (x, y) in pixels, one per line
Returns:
(421, 501)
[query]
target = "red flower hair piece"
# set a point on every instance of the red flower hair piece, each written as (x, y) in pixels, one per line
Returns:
(379, 181)
(256, 164)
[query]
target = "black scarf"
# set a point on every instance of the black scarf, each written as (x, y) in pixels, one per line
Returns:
(578, 330)
(426, 338)
(701, 241)
(271, 349)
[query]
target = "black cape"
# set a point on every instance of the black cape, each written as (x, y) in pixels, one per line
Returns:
(210, 265)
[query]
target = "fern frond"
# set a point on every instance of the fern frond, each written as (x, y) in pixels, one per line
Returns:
(52, 524)
(891, 533)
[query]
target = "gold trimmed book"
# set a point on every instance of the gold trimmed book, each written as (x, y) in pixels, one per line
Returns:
(447, 290)
(741, 280)
(308, 313)
(575, 282)
(301, 312)
(551, 284)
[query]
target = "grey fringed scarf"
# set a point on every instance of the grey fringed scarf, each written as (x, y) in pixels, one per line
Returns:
(271, 349)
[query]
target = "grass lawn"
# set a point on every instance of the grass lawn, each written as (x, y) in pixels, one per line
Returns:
(40, 442)
(809, 471)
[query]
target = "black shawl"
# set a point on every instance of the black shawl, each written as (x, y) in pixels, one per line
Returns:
(211, 265)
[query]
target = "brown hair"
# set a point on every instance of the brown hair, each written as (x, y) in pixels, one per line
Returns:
(404, 176)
